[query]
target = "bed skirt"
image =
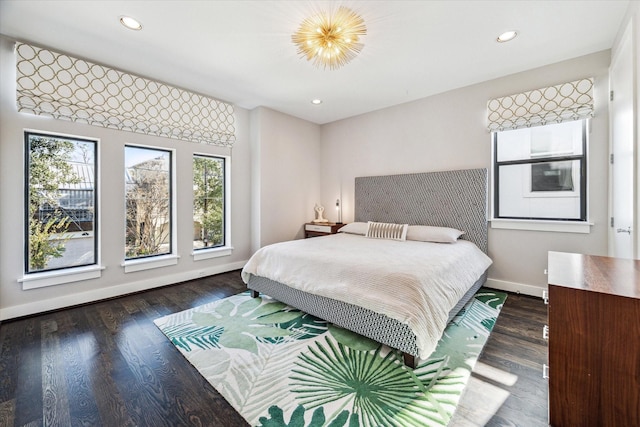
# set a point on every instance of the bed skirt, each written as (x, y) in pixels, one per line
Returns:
(376, 326)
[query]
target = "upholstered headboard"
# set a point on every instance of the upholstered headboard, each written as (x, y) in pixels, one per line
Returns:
(455, 199)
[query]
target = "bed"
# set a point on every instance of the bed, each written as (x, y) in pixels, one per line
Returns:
(450, 199)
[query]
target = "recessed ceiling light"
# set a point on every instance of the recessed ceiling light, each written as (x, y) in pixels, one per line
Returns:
(506, 36)
(130, 23)
(316, 101)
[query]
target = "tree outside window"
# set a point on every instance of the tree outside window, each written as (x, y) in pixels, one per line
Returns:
(148, 202)
(208, 201)
(60, 198)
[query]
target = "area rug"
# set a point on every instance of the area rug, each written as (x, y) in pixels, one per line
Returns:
(278, 366)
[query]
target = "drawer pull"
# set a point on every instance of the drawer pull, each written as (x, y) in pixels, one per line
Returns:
(545, 371)
(545, 296)
(545, 332)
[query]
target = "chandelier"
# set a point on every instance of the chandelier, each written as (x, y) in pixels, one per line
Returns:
(330, 40)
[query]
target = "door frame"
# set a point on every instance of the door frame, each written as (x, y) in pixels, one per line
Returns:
(628, 36)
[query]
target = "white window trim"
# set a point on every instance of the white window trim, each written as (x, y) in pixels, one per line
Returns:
(70, 274)
(217, 252)
(59, 277)
(541, 225)
(148, 263)
(569, 226)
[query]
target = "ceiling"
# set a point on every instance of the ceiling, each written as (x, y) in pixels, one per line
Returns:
(241, 51)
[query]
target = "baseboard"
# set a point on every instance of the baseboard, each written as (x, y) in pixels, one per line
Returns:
(518, 288)
(112, 291)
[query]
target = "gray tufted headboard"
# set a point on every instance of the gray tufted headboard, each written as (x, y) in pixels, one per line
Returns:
(455, 199)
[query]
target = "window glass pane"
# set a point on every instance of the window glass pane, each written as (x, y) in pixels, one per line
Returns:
(208, 202)
(552, 176)
(60, 221)
(148, 202)
(559, 139)
(543, 190)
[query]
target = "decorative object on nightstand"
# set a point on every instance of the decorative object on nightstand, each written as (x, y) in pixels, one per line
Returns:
(319, 210)
(339, 209)
(312, 229)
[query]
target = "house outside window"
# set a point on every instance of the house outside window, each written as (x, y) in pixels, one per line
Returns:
(148, 188)
(61, 200)
(540, 172)
(209, 201)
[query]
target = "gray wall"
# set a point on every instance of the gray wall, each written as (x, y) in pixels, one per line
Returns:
(286, 167)
(448, 131)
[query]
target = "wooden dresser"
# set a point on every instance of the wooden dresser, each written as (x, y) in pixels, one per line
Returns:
(594, 341)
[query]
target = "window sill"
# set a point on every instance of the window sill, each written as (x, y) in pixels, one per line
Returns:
(59, 277)
(541, 225)
(212, 253)
(133, 265)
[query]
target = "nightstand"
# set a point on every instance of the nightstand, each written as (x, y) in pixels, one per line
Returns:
(315, 229)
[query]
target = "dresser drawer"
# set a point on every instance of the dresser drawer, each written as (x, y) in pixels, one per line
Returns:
(318, 228)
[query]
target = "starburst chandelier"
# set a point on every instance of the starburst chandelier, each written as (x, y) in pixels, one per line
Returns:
(330, 40)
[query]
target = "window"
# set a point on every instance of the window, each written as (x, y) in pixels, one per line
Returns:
(148, 202)
(208, 202)
(540, 172)
(60, 211)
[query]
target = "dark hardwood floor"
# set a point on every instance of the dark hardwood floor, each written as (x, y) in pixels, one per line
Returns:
(106, 364)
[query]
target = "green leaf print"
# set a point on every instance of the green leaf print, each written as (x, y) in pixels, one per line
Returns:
(489, 323)
(276, 418)
(492, 299)
(376, 386)
(457, 346)
(186, 336)
(245, 322)
(351, 339)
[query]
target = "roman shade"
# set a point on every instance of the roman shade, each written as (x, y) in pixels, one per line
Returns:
(68, 88)
(554, 104)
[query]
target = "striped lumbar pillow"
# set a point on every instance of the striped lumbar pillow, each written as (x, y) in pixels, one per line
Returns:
(385, 230)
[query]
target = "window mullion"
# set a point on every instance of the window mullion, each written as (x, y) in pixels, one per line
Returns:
(540, 160)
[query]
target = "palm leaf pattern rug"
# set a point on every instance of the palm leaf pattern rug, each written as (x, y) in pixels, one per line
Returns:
(278, 366)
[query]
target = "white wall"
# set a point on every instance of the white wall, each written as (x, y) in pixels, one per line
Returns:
(286, 162)
(16, 302)
(448, 131)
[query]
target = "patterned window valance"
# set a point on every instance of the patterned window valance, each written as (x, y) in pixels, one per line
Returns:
(555, 104)
(64, 87)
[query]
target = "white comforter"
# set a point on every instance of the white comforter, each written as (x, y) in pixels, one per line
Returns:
(416, 283)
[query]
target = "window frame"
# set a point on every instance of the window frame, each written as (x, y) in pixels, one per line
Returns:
(71, 274)
(58, 271)
(224, 199)
(226, 249)
(146, 262)
(583, 194)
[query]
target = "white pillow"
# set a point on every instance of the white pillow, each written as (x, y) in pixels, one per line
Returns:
(355, 228)
(427, 233)
(385, 230)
